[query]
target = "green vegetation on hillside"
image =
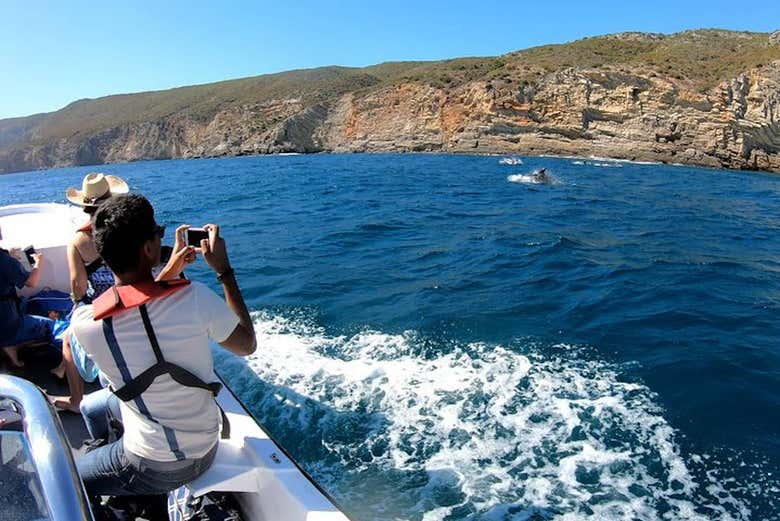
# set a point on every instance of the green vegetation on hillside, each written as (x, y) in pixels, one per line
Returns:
(201, 102)
(703, 57)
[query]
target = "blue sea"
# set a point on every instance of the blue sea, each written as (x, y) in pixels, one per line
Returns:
(440, 338)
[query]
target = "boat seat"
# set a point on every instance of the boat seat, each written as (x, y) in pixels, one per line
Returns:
(265, 477)
(240, 464)
(233, 470)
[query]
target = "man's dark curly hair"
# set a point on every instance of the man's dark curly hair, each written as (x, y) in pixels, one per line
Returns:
(120, 227)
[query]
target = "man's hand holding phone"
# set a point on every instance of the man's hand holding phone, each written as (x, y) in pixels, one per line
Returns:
(207, 241)
(214, 251)
(191, 241)
(181, 256)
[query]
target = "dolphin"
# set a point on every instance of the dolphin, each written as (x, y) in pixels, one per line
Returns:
(541, 176)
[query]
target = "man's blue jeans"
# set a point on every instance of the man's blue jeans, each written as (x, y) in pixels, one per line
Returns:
(94, 408)
(111, 471)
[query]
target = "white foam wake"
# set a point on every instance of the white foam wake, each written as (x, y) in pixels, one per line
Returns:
(510, 161)
(604, 164)
(533, 179)
(522, 178)
(486, 431)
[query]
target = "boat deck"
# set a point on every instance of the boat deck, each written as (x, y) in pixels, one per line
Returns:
(39, 361)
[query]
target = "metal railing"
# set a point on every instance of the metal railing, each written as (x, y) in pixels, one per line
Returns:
(50, 451)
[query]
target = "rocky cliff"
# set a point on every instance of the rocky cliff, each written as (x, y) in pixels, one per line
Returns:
(703, 97)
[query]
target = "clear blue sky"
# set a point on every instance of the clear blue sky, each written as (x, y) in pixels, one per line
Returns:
(54, 52)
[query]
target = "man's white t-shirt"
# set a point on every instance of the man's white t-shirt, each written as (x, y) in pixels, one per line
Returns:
(168, 421)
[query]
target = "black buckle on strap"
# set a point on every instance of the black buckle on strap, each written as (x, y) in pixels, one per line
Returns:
(135, 387)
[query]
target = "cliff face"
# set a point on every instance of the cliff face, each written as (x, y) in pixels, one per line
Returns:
(626, 115)
(628, 111)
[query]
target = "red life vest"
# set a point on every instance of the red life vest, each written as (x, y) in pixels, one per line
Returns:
(121, 298)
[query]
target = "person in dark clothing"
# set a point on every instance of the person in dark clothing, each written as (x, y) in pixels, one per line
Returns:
(16, 328)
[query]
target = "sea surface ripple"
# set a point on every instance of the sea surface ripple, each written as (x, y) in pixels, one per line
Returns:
(439, 340)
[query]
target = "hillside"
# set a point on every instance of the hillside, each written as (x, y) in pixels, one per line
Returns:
(707, 97)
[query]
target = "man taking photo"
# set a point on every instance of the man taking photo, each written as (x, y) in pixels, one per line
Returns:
(151, 341)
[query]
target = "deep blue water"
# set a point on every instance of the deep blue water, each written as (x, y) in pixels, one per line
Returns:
(437, 342)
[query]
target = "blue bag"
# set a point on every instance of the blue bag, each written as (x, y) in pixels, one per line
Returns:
(48, 301)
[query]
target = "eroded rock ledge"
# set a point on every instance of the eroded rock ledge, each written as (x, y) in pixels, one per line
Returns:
(631, 113)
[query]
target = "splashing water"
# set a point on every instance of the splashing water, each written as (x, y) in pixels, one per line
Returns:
(479, 431)
(510, 161)
(534, 179)
(522, 178)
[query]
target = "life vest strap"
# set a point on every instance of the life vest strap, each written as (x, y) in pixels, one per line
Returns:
(136, 386)
(150, 334)
(132, 389)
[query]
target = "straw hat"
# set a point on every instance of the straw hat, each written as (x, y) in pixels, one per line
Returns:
(95, 188)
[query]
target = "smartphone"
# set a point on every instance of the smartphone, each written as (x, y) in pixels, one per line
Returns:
(29, 252)
(195, 235)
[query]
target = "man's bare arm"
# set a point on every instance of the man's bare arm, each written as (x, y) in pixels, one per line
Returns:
(242, 340)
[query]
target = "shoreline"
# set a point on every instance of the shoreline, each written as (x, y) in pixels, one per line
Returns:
(591, 158)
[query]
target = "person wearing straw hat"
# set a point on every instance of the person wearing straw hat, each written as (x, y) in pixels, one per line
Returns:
(96, 188)
(88, 275)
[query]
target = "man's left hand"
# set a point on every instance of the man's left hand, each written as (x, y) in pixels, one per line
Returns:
(181, 256)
